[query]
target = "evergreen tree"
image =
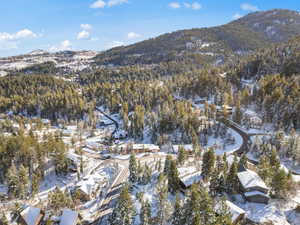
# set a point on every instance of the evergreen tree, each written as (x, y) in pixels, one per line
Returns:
(133, 173)
(182, 155)
(145, 215)
(280, 184)
(167, 164)
(35, 184)
(232, 182)
(208, 163)
(124, 212)
(223, 215)
(173, 178)
(13, 181)
(177, 213)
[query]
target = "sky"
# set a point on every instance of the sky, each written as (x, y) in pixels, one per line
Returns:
(56, 25)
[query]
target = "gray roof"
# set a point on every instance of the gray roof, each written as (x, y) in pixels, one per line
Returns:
(68, 217)
(31, 215)
(249, 179)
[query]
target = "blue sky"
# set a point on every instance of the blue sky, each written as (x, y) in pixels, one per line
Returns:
(55, 25)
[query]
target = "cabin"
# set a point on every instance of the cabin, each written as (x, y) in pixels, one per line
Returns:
(31, 216)
(237, 214)
(69, 217)
(88, 188)
(187, 148)
(189, 176)
(128, 148)
(75, 161)
(252, 120)
(224, 108)
(253, 187)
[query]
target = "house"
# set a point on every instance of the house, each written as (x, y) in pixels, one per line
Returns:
(128, 148)
(3, 191)
(224, 108)
(69, 217)
(252, 120)
(75, 161)
(189, 176)
(237, 214)
(188, 148)
(253, 187)
(257, 197)
(31, 216)
(87, 188)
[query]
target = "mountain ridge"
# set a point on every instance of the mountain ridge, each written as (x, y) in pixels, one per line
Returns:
(237, 37)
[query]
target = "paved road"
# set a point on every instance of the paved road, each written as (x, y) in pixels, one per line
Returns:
(112, 119)
(246, 137)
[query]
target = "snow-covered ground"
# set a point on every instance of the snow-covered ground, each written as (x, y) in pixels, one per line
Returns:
(277, 211)
(227, 148)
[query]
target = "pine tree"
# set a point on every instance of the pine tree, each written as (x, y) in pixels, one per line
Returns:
(124, 212)
(232, 182)
(280, 184)
(208, 163)
(265, 169)
(133, 176)
(223, 215)
(145, 215)
(182, 155)
(23, 181)
(167, 164)
(35, 184)
(162, 193)
(177, 213)
(13, 181)
(173, 178)
(214, 185)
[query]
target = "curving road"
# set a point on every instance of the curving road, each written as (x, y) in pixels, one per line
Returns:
(112, 119)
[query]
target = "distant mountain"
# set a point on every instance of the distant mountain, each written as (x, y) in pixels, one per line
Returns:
(42, 62)
(210, 45)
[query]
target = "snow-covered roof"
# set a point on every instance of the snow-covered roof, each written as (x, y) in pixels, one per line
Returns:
(189, 175)
(31, 215)
(138, 146)
(68, 217)
(185, 147)
(3, 190)
(250, 179)
(234, 210)
(145, 146)
(255, 193)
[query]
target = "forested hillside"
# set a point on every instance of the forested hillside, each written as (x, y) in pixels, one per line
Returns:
(210, 45)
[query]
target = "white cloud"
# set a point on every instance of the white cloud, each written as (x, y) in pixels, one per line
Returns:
(94, 39)
(194, 6)
(174, 5)
(111, 3)
(86, 26)
(22, 34)
(98, 4)
(83, 35)
(237, 16)
(133, 35)
(64, 45)
(249, 7)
